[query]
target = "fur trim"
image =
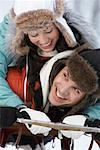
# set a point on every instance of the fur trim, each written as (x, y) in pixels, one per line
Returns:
(66, 35)
(33, 20)
(82, 73)
(18, 44)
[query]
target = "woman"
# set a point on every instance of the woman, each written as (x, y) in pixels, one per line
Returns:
(73, 87)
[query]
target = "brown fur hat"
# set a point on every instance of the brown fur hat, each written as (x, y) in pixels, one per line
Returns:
(83, 67)
(82, 73)
(84, 70)
(32, 14)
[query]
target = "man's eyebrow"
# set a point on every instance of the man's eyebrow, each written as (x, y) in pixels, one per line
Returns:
(76, 86)
(68, 73)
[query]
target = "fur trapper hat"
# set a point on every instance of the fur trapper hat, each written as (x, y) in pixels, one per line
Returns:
(84, 70)
(82, 73)
(31, 14)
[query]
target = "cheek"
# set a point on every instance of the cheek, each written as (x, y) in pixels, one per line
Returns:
(51, 94)
(33, 40)
(58, 79)
(76, 98)
(54, 35)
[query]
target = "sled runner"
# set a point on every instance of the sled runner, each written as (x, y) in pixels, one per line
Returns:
(9, 123)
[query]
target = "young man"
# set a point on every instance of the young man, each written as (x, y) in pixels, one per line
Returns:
(70, 86)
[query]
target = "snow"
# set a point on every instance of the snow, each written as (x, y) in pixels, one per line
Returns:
(79, 144)
(13, 147)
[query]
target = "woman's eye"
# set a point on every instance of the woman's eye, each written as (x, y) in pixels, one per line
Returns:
(34, 35)
(49, 31)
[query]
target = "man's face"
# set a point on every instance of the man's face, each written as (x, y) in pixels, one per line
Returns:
(45, 38)
(64, 91)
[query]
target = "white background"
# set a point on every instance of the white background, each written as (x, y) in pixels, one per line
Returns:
(5, 6)
(90, 9)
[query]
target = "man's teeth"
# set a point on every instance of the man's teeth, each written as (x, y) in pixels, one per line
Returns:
(58, 94)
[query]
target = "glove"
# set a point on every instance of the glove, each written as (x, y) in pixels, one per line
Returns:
(94, 123)
(74, 120)
(36, 115)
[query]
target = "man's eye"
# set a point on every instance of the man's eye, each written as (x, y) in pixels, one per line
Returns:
(65, 75)
(77, 90)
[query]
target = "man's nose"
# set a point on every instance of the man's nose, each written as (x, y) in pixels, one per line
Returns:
(64, 91)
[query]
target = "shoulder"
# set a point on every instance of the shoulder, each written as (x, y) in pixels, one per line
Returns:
(7, 33)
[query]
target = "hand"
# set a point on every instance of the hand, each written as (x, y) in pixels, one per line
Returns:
(74, 120)
(36, 115)
(94, 123)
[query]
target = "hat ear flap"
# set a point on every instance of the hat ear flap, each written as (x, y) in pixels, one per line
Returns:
(18, 43)
(66, 35)
(96, 94)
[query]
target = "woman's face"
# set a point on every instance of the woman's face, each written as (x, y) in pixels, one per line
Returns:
(45, 38)
(64, 91)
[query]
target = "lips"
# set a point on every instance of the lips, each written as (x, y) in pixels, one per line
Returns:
(47, 46)
(58, 97)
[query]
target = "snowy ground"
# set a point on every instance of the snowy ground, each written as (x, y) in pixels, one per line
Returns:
(79, 144)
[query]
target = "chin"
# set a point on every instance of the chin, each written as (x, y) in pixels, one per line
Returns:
(55, 103)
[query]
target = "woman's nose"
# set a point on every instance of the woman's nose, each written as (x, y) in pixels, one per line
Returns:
(43, 39)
